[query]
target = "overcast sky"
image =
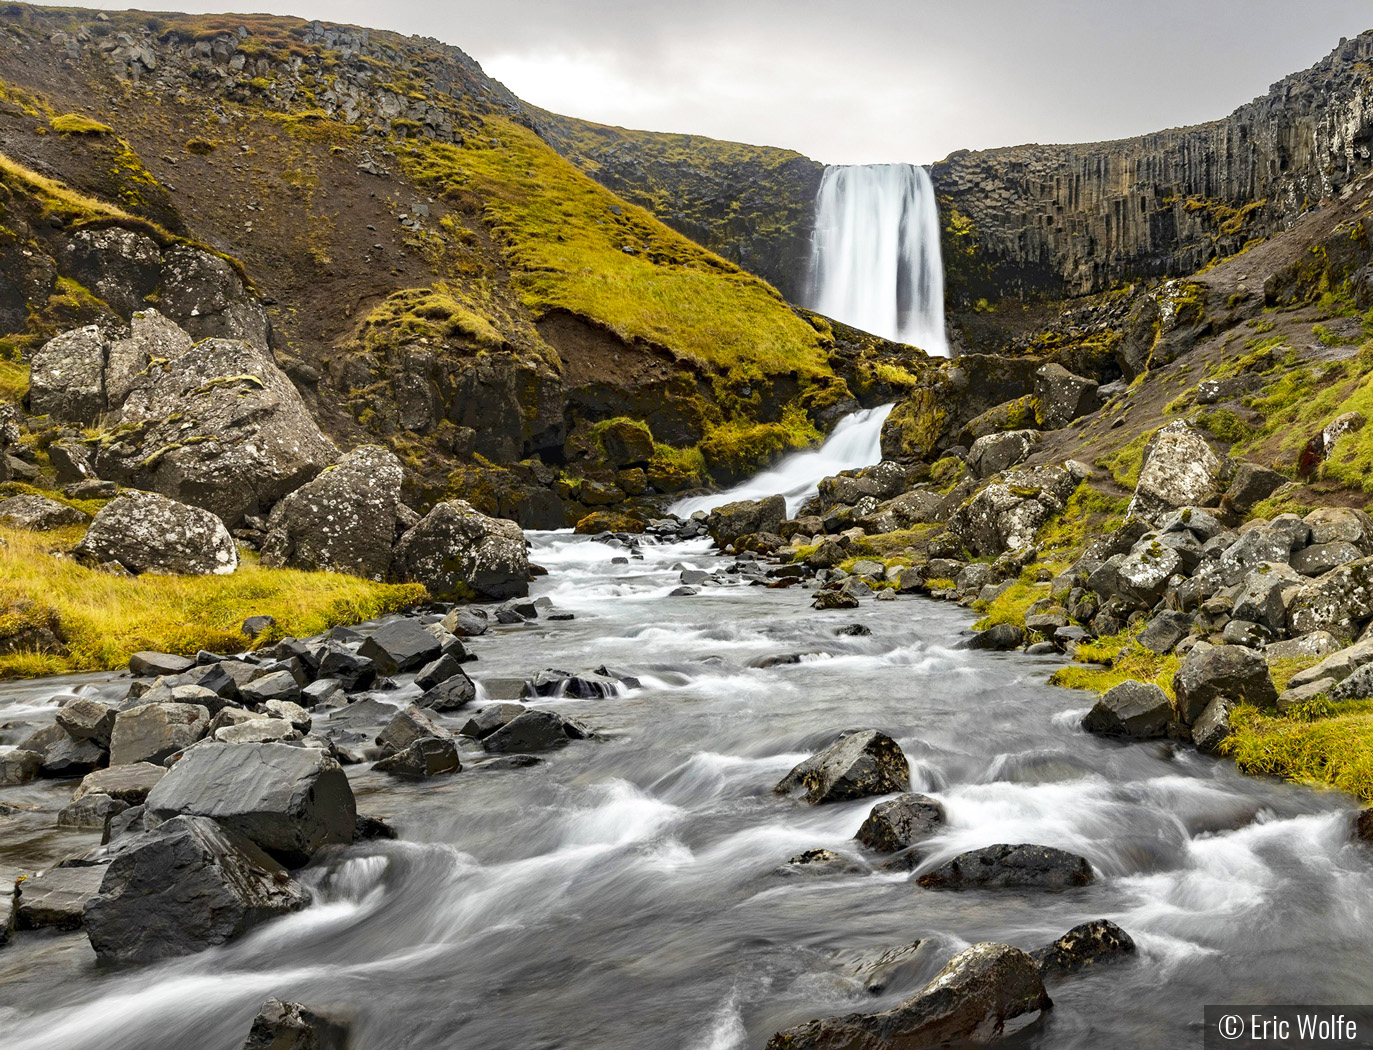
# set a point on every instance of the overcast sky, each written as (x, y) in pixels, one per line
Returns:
(853, 81)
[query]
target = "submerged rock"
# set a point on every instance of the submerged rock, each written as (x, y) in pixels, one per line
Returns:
(862, 763)
(182, 887)
(283, 1025)
(1003, 866)
(971, 999)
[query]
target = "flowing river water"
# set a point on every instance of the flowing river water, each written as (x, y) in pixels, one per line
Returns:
(624, 892)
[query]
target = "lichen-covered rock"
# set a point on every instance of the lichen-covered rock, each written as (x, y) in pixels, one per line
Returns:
(862, 763)
(459, 553)
(1007, 515)
(1061, 396)
(342, 521)
(219, 427)
(997, 452)
(626, 443)
(38, 513)
(1083, 947)
(1234, 672)
(746, 518)
(121, 267)
(1179, 470)
(1003, 866)
(900, 823)
(1135, 709)
(67, 376)
(147, 532)
(1338, 602)
(971, 999)
(152, 338)
(182, 887)
(206, 296)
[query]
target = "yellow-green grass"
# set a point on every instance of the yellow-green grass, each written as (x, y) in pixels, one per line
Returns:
(14, 381)
(1106, 662)
(1010, 605)
(104, 618)
(566, 246)
(1333, 751)
(77, 124)
(63, 202)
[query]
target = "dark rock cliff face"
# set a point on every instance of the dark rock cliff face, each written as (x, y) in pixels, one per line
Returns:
(755, 205)
(1071, 220)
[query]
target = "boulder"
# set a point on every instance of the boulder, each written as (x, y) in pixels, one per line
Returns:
(626, 443)
(128, 783)
(1000, 637)
(1338, 602)
(745, 518)
(408, 726)
(532, 731)
(1214, 724)
(1006, 516)
(1337, 666)
(1003, 866)
(150, 665)
(1320, 558)
(1165, 631)
(862, 763)
(120, 266)
(1140, 710)
(352, 671)
(344, 520)
(156, 731)
(184, 886)
(260, 730)
(398, 645)
(490, 718)
(146, 532)
(1341, 525)
(152, 338)
(969, 1001)
(65, 756)
(1260, 597)
(453, 693)
(90, 811)
(67, 376)
(1234, 672)
(87, 719)
(998, 452)
(459, 553)
(1083, 947)
(830, 600)
(19, 766)
(56, 898)
(289, 1026)
(275, 687)
(203, 293)
(1249, 485)
(1179, 470)
(1061, 397)
(900, 823)
(427, 757)
(467, 622)
(222, 428)
(289, 800)
(38, 513)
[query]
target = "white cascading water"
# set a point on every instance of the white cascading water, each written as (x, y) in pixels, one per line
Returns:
(875, 257)
(856, 442)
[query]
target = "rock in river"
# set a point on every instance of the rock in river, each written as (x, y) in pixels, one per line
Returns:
(1011, 867)
(864, 762)
(900, 823)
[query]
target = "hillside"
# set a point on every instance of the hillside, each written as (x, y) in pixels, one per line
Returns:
(433, 274)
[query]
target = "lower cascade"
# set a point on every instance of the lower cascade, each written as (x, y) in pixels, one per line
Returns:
(875, 257)
(856, 442)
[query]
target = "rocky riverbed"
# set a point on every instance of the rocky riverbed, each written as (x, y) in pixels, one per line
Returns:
(635, 879)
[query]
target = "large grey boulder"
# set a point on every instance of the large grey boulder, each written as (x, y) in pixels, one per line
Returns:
(152, 338)
(128, 783)
(1179, 470)
(862, 763)
(1061, 396)
(1341, 525)
(745, 518)
(289, 800)
(1006, 516)
(400, 644)
(343, 521)
(86, 719)
(147, 532)
(1338, 602)
(429, 757)
(122, 267)
(1260, 597)
(38, 513)
(530, 732)
(970, 1000)
(184, 886)
(1003, 866)
(1140, 710)
(997, 452)
(156, 731)
(1233, 672)
(67, 376)
(459, 553)
(220, 427)
(1336, 666)
(206, 296)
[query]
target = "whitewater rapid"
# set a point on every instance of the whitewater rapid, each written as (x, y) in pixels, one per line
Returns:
(856, 442)
(875, 254)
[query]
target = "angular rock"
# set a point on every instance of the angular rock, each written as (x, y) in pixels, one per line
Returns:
(1320, 558)
(1003, 866)
(153, 732)
(146, 532)
(184, 886)
(408, 726)
(67, 376)
(129, 783)
(90, 811)
(1083, 947)
(1214, 724)
(1341, 525)
(862, 763)
(289, 800)
(56, 898)
(1165, 631)
(352, 671)
(1260, 598)
(531, 731)
(277, 686)
(970, 1000)
(427, 757)
(1337, 602)
(87, 719)
(344, 520)
(257, 731)
(289, 1026)
(1000, 637)
(490, 718)
(998, 452)
(149, 664)
(1250, 485)
(900, 823)
(1234, 672)
(65, 756)
(400, 645)
(152, 338)
(1140, 710)
(19, 766)
(1061, 396)
(1179, 470)
(459, 553)
(38, 513)
(746, 518)
(453, 693)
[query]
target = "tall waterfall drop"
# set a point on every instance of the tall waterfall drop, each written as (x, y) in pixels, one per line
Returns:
(875, 259)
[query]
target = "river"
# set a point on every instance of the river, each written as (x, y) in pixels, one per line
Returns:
(624, 894)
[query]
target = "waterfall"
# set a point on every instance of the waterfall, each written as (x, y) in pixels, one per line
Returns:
(875, 259)
(855, 442)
